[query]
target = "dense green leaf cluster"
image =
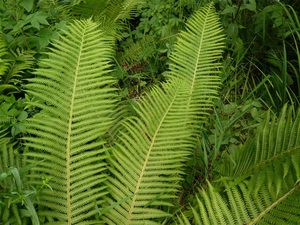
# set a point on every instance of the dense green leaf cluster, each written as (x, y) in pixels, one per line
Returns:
(126, 112)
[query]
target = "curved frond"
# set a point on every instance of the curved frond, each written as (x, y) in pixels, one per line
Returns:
(74, 86)
(273, 153)
(122, 9)
(150, 155)
(238, 205)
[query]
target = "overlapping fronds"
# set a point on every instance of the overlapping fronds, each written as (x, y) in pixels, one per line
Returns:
(196, 56)
(262, 179)
(273, 153)
(76, 101)
(151, 152)
(238, 205)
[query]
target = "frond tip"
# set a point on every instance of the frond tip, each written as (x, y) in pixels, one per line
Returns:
(196, 58)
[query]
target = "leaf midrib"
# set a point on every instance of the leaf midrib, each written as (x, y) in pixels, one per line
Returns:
(68, 150)
(147, 159)
(198, 57)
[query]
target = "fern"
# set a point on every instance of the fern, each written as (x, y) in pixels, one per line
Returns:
(275, 148)
(3, 54)
(195, 59)
(151, 152)
(13, 66)
(110, 14)
(68, 132)
(238, 205)
(143, 49)
(262, 179)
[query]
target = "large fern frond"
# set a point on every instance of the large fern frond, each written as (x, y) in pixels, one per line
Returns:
(76, 91)
(273, 153)
(262, 182)
(238, 205)
(150, 154)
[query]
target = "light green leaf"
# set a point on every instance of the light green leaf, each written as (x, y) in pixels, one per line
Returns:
(27, 4)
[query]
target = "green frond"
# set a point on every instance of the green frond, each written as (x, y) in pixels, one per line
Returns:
(150, 154)
(195, 58)
(274, 152)
(238, 205)
(12, 66)
(90, 8)
(112, 19)
(122, 9)
(74, 85)
(143, 49)
(110, 14)
(3, 54)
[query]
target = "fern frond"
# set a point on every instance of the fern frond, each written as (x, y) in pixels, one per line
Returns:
(3, 53)
(13, 66)
(118, 10)
(195, 58)
(110, 14)
(90, 8)
(143, 49)
(149, 156)
(67, 133)
(275, 149)
(151, 152)
(238, 205)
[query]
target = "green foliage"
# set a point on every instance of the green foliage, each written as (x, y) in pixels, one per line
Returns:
(74, 152)
(260, 181)
(18, 200)
(27, 25)
(149, 40)
(68, 132)
(263, 40)
(238, 205)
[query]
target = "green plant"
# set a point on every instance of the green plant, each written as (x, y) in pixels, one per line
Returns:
(30, 25)
(18, 200)
(148, 41)
(92, 162)
(69, 132)
(259, 184)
